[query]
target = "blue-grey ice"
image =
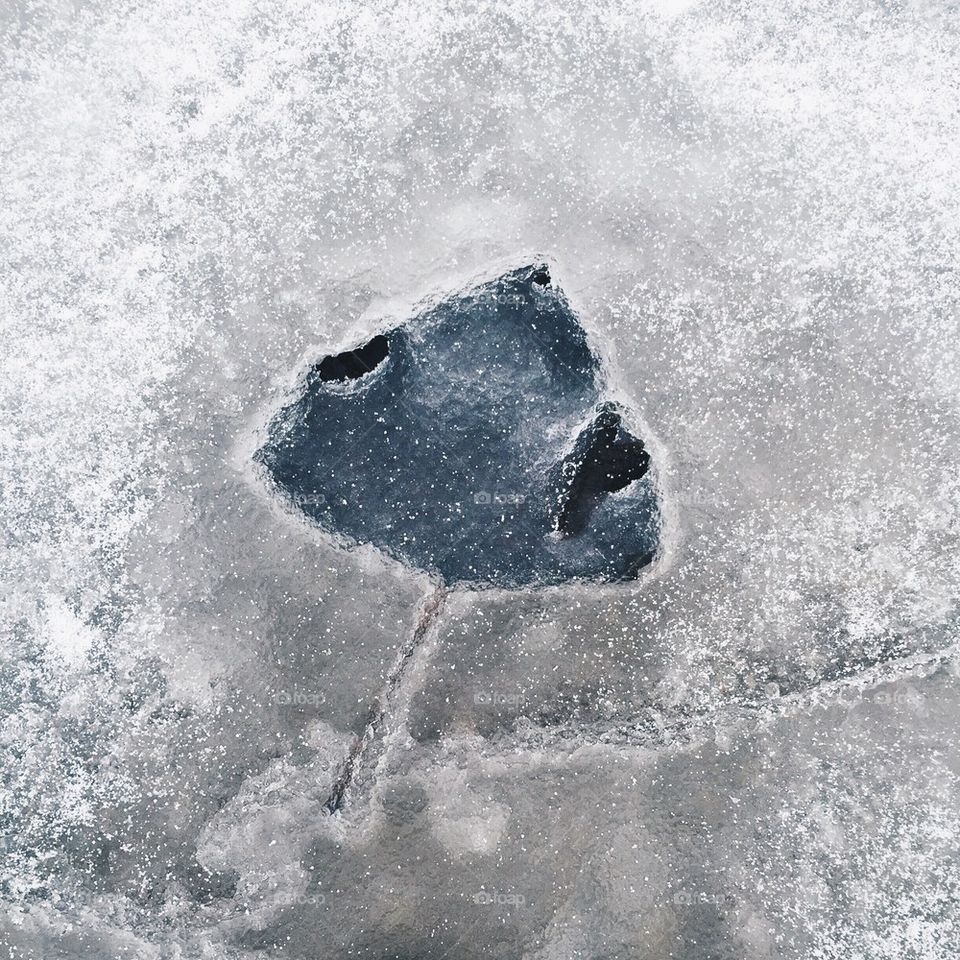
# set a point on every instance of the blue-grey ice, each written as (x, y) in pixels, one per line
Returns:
(475, 442)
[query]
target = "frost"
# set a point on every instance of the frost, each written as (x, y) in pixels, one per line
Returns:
(748, 751)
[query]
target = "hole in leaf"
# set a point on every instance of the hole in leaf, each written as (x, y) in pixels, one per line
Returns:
(605, 458)
(352, 364)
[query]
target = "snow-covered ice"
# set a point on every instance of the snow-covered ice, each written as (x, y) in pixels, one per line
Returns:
(746, 752)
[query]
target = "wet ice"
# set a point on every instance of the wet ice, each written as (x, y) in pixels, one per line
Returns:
(475, 442)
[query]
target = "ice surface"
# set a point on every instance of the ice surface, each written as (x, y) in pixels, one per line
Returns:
(749, 751)
(445, 442)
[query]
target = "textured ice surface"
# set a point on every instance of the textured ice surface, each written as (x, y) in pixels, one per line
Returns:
(747, 753)
(473, 442)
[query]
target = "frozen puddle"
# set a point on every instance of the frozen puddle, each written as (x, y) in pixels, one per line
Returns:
(475, 442)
